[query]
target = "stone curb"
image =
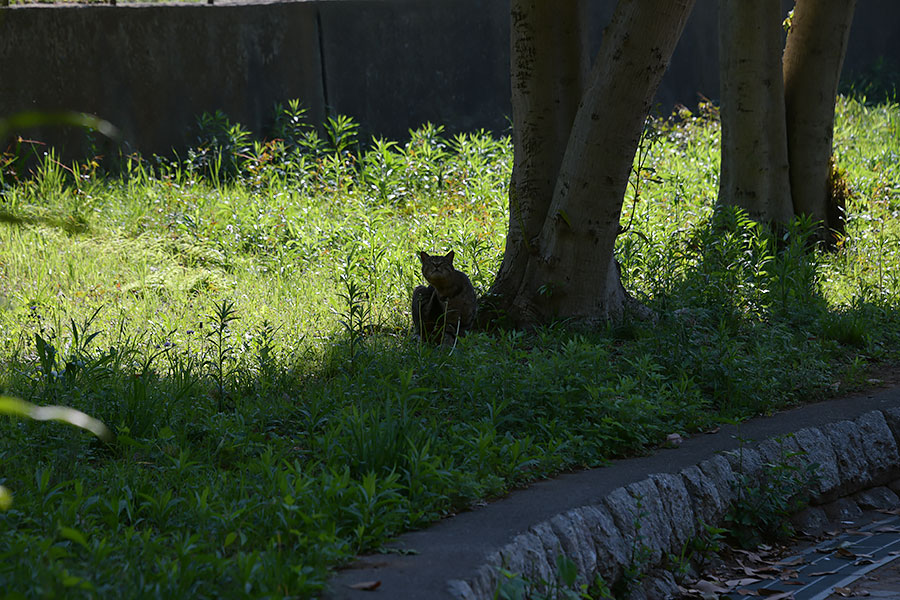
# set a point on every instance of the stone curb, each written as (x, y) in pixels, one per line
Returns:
(851, 457)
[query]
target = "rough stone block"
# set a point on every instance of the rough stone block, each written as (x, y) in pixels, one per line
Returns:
(811, 521)
(781, 450)
(745, 461)
(570, 530)
(877, 498)
(655, 527)
(461, 590)
(842, 509)
(612, 550)
(850, 458)
(623, 509)
(819, 451)
(892, 418)
(718, 469)
(708, 506)
(552, 546)
(484, 583)
(879, 446)
(572, 544)
(678, 509)
(526, 555)
(660, 585)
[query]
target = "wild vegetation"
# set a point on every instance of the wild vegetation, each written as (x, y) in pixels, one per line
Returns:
(239, 317)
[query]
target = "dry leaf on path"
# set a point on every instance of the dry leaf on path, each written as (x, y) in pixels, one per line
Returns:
(706, 587)
(789, 574)
(367, 586)
(733, 583)
(844, 553)
(751, 555)
(888, 529)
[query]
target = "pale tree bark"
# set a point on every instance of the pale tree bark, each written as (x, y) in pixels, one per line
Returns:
(562, 265)
(813, 57)
(778, 113)
(754, 172)
(549, 67)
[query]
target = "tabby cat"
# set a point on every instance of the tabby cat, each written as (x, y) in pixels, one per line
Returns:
(447, 308)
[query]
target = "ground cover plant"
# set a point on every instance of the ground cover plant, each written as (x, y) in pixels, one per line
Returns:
(239, 317)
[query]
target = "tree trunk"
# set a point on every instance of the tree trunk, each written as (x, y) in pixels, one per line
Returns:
(549, 68)
(813, 57)
(561, 265)
(754, 172)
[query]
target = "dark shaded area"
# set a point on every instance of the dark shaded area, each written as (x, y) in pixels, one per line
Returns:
(392, 65)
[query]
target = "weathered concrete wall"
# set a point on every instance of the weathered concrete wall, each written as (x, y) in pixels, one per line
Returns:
(390, 64)
(151, 70)
(395, 65)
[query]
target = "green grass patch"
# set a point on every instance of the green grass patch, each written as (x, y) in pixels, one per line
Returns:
(240, 318)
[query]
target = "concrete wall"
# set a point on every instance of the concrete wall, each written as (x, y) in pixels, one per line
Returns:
(151, 70)
(390, 64)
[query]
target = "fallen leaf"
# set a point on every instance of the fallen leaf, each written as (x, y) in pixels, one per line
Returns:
(705, 586)
(844, 553)
(789, 574)
(822, 573)
(888, 529)
(843, 592)
(792, 562)
(367, 586)
(751, 555)
(862, 533)
(733, 583)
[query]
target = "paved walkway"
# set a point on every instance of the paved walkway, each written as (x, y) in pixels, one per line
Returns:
(423, 561)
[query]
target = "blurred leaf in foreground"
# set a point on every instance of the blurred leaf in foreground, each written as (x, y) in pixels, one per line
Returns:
(20, 408)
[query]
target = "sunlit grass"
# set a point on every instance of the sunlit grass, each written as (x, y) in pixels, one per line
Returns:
(240, 319)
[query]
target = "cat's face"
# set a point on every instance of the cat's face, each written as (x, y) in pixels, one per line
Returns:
(436, 267)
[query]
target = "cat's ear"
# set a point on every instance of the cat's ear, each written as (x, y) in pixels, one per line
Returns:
(450, 256)
(423, 256)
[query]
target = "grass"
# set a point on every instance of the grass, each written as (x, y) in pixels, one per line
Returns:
(239, 317)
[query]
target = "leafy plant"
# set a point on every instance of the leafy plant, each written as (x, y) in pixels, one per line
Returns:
(634, 572)
(763, 506)
(219, 337)
(514, 586)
